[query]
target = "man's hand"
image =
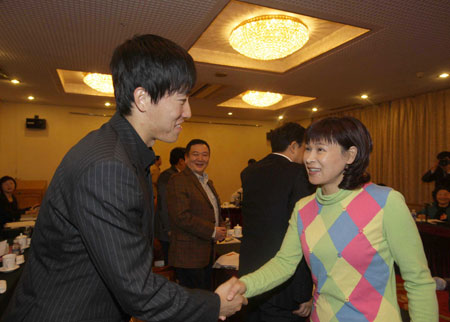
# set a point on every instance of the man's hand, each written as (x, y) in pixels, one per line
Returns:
(221, 233)
(231, 299)
(304, 309)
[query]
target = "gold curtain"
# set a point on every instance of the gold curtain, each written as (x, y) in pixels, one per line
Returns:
(407, 135)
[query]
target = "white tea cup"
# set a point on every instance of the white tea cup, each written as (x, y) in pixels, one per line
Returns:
(237, 231)
(9, 261)
(230, 232)
(20, 259)
(22, 241)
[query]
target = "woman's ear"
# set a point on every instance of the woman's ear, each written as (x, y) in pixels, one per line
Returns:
(351, 154)
(140, 98)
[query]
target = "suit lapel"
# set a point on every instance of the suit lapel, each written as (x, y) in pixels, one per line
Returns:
(198, 185)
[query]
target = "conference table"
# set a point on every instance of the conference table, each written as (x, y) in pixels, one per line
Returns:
(436, 243)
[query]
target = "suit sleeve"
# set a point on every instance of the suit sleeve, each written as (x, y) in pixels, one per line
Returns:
(179, 200)
(429, 176)
(108, 214)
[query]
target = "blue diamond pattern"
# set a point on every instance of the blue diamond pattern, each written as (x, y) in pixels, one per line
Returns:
(343, 231)
(319, 270)
(378, 193)
(377, 274)
(299, 223)
(349, 313)
(320, 206)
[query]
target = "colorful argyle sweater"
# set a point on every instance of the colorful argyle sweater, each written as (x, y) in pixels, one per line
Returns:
(350, 240)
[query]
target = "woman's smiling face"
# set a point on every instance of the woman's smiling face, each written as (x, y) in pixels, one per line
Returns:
(325, 163)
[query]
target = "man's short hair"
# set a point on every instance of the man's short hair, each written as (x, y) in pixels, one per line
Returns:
(282, 136)
(443, 155)
(251, 161)
(194, 142)
(154, 63)
(176, 154)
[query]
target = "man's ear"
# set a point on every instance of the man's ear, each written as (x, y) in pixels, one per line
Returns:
(352, 152)
(140, 98)
(292, 146)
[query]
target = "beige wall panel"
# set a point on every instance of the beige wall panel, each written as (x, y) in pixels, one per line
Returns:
(34, 154)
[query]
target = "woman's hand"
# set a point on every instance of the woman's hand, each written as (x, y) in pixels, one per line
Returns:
(304, 309)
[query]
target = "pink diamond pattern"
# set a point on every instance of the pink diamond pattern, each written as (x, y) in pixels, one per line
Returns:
(308, 213)
(359, 253)
(366, 299)
(362, 209)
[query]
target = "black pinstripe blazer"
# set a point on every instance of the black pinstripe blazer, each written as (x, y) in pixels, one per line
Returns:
(91, 253)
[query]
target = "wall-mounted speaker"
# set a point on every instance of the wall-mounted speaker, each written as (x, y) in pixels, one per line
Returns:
(36, 123)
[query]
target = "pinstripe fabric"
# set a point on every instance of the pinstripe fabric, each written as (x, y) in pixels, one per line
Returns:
(192, 220)
(91, 256)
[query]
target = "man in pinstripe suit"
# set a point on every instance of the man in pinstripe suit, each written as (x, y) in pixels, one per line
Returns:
(91, 256)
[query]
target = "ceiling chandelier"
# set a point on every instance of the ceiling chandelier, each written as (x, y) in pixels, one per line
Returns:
(269, 37)
(261, 99)
(100, 82)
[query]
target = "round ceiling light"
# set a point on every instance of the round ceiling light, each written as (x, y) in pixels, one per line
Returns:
(100, 82)
(269, 37)
(261, 99)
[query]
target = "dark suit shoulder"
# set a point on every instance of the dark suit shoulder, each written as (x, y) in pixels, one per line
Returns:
(165, 175)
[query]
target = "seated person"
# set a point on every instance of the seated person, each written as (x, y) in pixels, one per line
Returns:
(440, 208)
(9, 210)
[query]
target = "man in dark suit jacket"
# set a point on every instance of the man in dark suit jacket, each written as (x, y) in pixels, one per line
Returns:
(194, 212)
(162, 226)
(91, 255)
(271, 187)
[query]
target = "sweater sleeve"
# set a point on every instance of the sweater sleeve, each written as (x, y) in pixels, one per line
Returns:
(279, 268)
(407, 250)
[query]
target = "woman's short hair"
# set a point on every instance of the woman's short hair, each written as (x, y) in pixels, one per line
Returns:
(4, 179)
(156, 64)
(435, 191)
(347, 132)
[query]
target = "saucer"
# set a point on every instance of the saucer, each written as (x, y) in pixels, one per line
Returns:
(7, 270)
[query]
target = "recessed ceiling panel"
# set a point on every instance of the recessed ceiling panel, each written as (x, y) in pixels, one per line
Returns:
(213, 47)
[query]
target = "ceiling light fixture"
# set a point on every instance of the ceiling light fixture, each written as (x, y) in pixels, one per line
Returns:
(30, 98)
(100, 82)
(15, 81)
(443, 75)
(269, 37)
(107, 104)
(261, 99)
(314, 109)
(280, 117)
(364, 96)
(230, 113)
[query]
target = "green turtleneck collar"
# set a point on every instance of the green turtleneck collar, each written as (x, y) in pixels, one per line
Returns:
(334, 197)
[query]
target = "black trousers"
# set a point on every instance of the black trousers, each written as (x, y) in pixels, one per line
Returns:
(195, 277)
(267, 312)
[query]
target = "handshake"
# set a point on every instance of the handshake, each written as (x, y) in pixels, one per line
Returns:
(231, 297)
